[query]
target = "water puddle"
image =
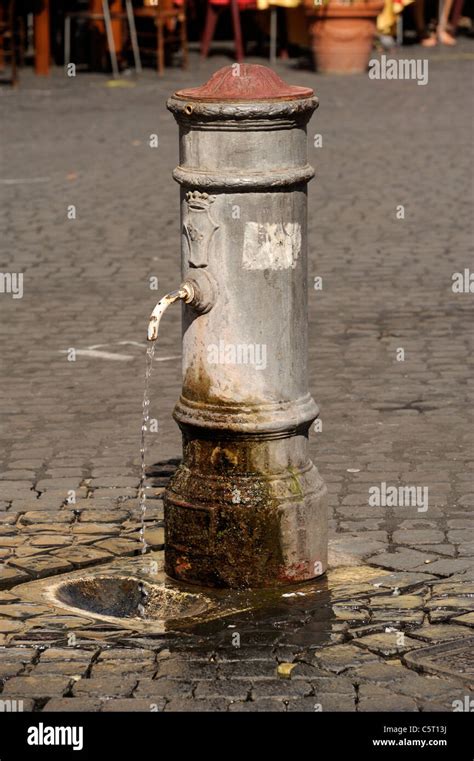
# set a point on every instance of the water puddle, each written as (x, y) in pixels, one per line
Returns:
(135, 594)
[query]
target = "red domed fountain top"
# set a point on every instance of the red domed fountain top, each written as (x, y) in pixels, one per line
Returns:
(244, 82)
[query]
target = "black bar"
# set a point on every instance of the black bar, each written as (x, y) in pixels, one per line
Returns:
(113, 736)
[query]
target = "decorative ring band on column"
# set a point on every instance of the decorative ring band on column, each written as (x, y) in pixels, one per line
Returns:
(268, 419)
(262, 180)
(185, 110)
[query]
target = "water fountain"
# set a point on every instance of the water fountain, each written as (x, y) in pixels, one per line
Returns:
(247, 507)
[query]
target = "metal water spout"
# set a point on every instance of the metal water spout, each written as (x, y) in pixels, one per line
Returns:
(246, 507)
(185, 292)
(197, 291)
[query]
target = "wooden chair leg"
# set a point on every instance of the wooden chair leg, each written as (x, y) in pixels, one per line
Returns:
(184, 42)
(239, 50)
(2, 57)
(67, 40)
(14, 68)
(133, 36)
(13, 44)
(209, 28)
(22, 39)
(110, 38)
(160, 53)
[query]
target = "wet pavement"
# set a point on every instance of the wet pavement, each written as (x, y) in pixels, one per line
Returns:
(390, 366)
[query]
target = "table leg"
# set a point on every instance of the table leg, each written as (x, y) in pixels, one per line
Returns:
(42, 39)
(273, 34)
(239, 49)
(160, 53)
(133, 36)
(110, 37)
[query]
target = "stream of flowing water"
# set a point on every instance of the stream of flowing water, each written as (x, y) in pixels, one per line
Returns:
(150, 353)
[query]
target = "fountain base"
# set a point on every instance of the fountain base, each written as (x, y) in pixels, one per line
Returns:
(245, 513)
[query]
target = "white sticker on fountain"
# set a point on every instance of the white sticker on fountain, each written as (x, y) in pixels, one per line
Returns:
(271, 246)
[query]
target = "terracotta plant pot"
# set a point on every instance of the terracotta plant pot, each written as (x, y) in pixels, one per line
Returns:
(342, 34)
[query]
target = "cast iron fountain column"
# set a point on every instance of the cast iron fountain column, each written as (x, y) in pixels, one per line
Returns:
(247, 507)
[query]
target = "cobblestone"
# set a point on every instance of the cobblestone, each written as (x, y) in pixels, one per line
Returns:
(104, 686)
(380, 699)
(389, 643)
(36, 687)
(250, 706)
(132, 704)
(321, 704)
(58, 705)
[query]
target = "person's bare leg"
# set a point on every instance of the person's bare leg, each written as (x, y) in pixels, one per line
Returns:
(443, 35)
(428, 41)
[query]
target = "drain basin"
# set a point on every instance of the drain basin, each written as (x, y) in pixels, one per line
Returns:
(128, 597)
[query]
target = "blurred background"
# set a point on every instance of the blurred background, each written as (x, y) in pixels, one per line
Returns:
(127, 35)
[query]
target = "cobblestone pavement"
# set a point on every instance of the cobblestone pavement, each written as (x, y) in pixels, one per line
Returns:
(402, 577)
